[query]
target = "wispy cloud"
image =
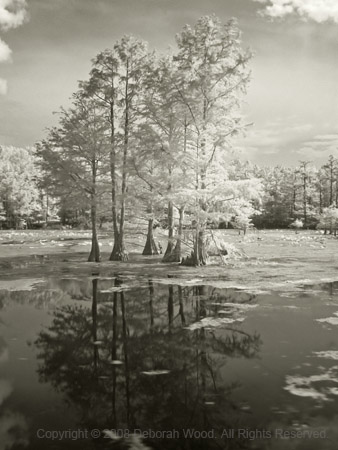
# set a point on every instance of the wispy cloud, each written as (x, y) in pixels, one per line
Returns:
(326, 137)
(272, 137)
(3, 86)
(320, 147)
(13, 13)
(318, 10)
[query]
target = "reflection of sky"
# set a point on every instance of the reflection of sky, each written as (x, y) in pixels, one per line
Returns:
(3, 350)
(24, 312)
(13, 430)
(13, 426)
(5, 390)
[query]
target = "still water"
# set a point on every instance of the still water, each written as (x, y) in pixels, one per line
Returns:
(166, 364)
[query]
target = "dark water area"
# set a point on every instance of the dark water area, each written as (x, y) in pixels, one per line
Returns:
(166, 364)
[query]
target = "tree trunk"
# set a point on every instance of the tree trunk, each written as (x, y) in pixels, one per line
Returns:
(150, 248)
(112, 156)
(170, 245)
(305, 201)
(95, 250)
(175, 255)
(63, 215)
(178, 246)
(113, 195)
(199, 255)
(47, 207)
(119, 253)
(331, 182)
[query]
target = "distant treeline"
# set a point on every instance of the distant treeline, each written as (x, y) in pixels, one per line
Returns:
(305, 192)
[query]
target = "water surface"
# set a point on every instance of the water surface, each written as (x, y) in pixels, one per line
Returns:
(194, 364)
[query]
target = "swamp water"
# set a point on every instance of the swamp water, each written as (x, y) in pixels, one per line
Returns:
(166, 364)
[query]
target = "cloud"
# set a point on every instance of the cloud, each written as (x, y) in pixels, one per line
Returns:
(318, 10)
(13, 13)
(3, 86)
(326, 137)
(5, 51)
(272, 137)
(322, 146)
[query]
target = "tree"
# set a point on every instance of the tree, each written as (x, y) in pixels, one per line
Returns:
(243, 219)
(297, 224)
(190, 107)
(212, 76)
(320, 188)
(75, 153)
(115, 81)
(306, 174)
(165, 119)
(331, 174)
(19, 176)
(328, 220)
(291, 193)
(279, 200)
(147, 190)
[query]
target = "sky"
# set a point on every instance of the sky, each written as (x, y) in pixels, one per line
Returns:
(46, 46)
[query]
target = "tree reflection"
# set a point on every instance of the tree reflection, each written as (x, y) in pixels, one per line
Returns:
(131, 362)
